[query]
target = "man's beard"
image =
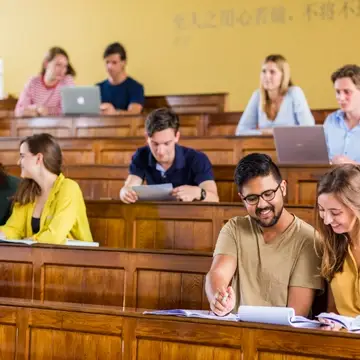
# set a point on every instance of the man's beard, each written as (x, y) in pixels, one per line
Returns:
(273, 221)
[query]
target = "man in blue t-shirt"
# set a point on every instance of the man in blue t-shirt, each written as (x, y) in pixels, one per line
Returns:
(120, 94)
(164, 161)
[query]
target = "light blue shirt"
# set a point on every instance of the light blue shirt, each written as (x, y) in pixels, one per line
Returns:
(294, 110)
(340, 139)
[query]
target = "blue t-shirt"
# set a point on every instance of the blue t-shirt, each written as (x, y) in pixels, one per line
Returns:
(190, 167)
(122, 95)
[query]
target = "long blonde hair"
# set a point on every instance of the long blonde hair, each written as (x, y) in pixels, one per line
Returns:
(286, 82)
(343, 182)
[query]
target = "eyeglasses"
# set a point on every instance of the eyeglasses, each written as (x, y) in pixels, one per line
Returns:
(266, 195)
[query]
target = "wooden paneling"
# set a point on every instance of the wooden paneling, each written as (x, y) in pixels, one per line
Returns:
(201, 103)
(134, 278)
(70, 331)
(118, 151)
(105, 181)
(60, 331)
(167, 225)
(199, 123)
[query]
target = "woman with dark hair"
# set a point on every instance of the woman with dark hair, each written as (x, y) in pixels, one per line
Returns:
(48, 207)
(278, 102)
(41, 95)
(338, 223)
(8, 187)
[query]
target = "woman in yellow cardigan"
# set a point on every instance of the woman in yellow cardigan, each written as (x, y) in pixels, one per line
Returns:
(48, 207)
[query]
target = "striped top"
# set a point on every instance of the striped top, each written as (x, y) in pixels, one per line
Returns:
(36, 93)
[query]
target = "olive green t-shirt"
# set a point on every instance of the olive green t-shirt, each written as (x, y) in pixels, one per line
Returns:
(7, 191)
(265, 271)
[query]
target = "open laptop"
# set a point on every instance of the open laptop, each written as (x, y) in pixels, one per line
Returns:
(80, 100)
(301, 145)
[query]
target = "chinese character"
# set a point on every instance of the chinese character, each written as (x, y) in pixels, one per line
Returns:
(244, 19)
(208, 20)
(261, 15)
(227, 17)
(278, 15)
(350, 7)
(180, 21)
(310, 11)
(327, 10)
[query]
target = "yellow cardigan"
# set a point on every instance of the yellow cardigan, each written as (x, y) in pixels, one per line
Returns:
(63, 216)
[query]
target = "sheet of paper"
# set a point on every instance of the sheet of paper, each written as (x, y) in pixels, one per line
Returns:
(160, 192)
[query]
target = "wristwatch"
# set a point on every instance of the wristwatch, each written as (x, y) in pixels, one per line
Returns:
(203, 195)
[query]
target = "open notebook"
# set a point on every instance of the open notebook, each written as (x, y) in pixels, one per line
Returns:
(259, 314)
(69, 242)
(349, 323)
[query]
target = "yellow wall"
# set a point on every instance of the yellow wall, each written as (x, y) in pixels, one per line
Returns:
(185, 46)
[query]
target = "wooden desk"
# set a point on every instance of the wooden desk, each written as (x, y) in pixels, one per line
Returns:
(191, 103)
(135, 278)
(118, 151)
(99, 182)
(191, 124)
(166, 225)
(68, 331)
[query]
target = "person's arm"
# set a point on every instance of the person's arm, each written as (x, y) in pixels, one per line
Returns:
(25, 105)
(331, 306)
(221, 296)
(203, 177)
(56, 110)
(127, 194)
(305, 279)
(301, 299)
(14, 229)
(64, 218)
(302, 111)
(217, 284)
(136, 103)
(249, 118)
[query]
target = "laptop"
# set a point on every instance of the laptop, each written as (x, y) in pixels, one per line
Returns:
(80, 100)
(301, 145)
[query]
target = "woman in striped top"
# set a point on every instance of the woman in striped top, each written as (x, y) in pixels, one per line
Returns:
(41, 95)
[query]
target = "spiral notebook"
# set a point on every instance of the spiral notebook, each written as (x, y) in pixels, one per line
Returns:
(259, 314)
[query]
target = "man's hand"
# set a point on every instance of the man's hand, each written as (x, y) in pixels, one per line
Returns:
(223, 302)
(128, 195)
(107, 109)
(341, 159)
(187, 193)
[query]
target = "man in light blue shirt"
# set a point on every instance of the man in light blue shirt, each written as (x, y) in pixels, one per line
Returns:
(342, 127)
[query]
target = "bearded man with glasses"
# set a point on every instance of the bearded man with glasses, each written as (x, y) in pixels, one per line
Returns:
(268, 257)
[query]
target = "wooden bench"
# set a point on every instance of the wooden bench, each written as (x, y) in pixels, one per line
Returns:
(133, 278)
(201, 103)
(70, 331)
(191, 124)
(118, 151)
(100, 182)
(176, 226)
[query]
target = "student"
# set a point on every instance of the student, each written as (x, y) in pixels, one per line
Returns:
(338, 222)
(41, 95)
(48, 207)
(164, 161)
(342, 127)
(266, 258)
(278, 102)
(120, 93)
(8, 187)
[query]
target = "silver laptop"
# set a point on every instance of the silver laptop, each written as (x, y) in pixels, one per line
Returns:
(80, 100)
(301, 145)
